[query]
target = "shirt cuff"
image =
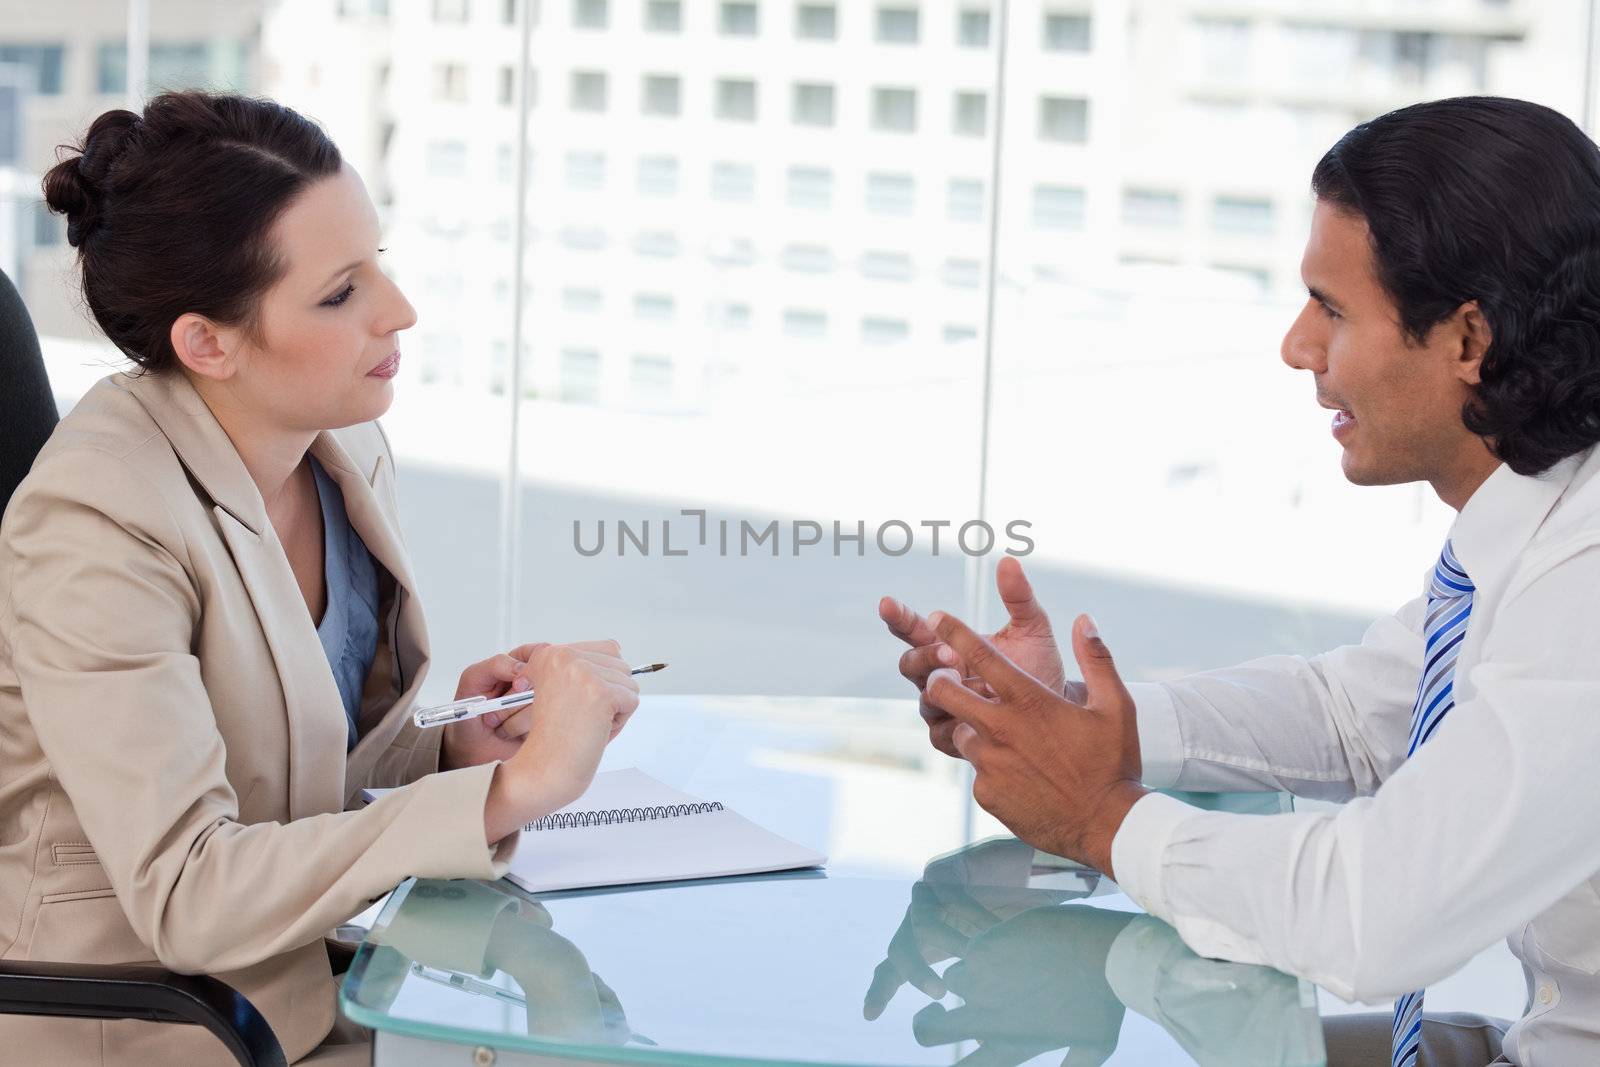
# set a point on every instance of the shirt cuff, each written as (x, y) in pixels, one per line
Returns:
(1160, 742)
(1138, 850)
(1138, 961)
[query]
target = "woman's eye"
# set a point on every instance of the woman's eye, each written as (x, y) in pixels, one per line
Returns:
(335, 301)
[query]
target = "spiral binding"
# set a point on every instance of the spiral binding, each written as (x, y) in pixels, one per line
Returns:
(570, 820)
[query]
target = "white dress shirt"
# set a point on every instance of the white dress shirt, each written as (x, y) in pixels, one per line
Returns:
(1491, 830)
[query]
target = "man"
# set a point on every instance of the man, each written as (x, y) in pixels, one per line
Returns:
(1453, 326)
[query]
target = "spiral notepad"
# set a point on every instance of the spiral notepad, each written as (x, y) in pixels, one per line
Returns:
(571, 820)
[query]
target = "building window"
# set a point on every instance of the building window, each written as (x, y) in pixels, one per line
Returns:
(508, 12)
(1064, 119)
(738, 20)
(650, 377)
(1157, 208)
(965, 200)
(507, 94)
(41, 62)
(658, 176)
(657, 244)
(586, 171)
(1058, 207)
(955, 335)
(972, 27)
(816, 22)
(1242, 214)
(886, 266)
(733, 182)
(663, 16)
(882, 331)
(450, 82)
(588, 90)
(961, 273)
(805, 323)
(1066, 33)
(662, 95)
(173, 65)
(813, 104)
(580, 376)
(736, 99)
(451, 10)
(657, 307)
(810, 187)
(584, 238)
(48, 227)
(581, 300)
(445, 159)
(731, 316)
(894, 110)
(807, 259)
(971, 116)
(891, 194)
(590, 14)
(898, 25)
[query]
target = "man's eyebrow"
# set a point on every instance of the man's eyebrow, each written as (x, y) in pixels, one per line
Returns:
(1321, 297)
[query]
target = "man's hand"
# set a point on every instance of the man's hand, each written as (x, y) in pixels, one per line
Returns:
(1060, 774)
(1026, 639)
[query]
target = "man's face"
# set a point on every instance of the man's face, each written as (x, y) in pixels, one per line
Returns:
(1398, 404)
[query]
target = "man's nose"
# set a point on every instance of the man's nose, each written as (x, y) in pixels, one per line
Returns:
(1301, 348)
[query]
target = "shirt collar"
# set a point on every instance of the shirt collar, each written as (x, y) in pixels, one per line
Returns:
(1501, 517)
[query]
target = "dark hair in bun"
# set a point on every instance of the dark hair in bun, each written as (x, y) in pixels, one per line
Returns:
(171, 211)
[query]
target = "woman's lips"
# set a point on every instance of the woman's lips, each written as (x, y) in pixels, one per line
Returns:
(387, 369)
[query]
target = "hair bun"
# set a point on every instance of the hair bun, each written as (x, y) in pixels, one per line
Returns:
(74, 186)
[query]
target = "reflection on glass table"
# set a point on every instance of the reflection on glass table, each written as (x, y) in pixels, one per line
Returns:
(1040, 965)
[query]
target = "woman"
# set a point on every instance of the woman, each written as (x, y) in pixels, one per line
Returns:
(209, 637)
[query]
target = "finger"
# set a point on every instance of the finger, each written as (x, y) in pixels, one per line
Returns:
(938, 1025)
(982, 658)
(1095, 662)
(968, 743)
(886, 982)
(517, 724)
(946, 692)
(904, 623)
(1016, 593)
(917, 663)
(524, 652)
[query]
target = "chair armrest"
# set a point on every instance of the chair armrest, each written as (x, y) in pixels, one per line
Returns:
(134, 992)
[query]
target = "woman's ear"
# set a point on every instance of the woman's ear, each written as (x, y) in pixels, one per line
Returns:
(1476, 336)
(202, 346)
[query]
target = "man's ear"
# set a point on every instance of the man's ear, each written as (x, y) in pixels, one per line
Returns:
(1476, 336)
(204, 347)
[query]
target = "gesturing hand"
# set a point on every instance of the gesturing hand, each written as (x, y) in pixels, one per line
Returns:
(1026, 639)
(1060, 774)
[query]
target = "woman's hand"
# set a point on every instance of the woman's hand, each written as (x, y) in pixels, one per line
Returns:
(584, 694)
(480, 740)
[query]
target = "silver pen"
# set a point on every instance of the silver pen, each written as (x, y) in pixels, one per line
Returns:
(472, 707)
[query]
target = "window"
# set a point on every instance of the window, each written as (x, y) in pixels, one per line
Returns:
(731, 316)
(659, 307)
(584, 301)
(508, 12)
(965, 200)
(588, 90)
(590, 14)
(173, 65)
(663, 16)
(894, 109)
(886, 266)
(1058, 207)
(584, 238)
(816, 22)
(882, 331)
(48, 227)
(507, 94)
(663, 95)
(804, 322)
(42, 62)
(445, 159)
(658, 176)
(961, 273)
(580, 376)
(10, 125)
(811, 187)
(736, 99)
(658, 244)
(1242, 214)
(733, 182)
(450, 82)
(738, 20)
(898, 25)
(972, 27)
(1066, 33)
(451, 10)
(650, 377)
(971, 118)
(813, 104)
(1152, 207)
(807, 259)
(1064, 119)
(891, 194)
(955, 335)
(586, 171)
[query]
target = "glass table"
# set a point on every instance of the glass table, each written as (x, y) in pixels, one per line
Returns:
(990, 954)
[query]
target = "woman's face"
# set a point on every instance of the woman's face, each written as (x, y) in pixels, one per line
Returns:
(331, 320)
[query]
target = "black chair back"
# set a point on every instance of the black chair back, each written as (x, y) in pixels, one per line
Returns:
(27, 407)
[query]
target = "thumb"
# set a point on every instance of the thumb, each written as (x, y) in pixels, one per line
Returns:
(1016, 593)
(1099, 671)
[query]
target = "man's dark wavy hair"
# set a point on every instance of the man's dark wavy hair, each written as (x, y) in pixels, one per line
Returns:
(1495, 200)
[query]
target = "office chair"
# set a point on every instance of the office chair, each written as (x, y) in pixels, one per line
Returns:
(91, 991)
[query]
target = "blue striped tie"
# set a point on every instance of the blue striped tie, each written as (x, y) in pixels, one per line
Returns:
(1449, 605)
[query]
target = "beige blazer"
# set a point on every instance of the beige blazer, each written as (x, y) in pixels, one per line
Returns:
(173, 774)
